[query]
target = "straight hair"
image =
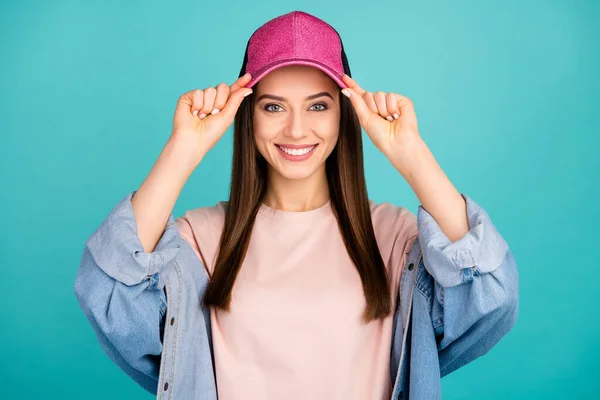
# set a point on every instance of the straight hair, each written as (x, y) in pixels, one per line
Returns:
(349, 201)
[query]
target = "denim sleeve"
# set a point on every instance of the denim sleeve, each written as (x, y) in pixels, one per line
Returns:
(121, 292)
(474, 300)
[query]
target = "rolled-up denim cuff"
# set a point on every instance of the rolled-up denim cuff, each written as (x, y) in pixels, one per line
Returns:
(481, 250)
(118, 251)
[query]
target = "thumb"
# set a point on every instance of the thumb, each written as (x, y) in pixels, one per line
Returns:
(184, 106)
(233, 103)
(360, 106)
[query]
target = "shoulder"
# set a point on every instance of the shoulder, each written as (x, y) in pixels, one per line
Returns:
(394, 226)
(204, 216)
(202, 227)
(388, 216)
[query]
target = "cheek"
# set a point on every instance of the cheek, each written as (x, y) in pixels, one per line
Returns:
(262, 133)
(329, 125)
(262, 140)
(329, 131)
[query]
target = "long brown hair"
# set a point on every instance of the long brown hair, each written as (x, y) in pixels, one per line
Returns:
(349, 202)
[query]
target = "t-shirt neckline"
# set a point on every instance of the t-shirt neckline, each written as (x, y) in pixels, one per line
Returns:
(274, 213)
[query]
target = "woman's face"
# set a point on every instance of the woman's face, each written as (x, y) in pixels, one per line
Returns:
(296, 120)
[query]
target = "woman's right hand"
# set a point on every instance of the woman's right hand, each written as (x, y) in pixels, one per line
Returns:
(203, 116)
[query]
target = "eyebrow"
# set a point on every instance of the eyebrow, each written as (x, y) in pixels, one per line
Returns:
(278, 98)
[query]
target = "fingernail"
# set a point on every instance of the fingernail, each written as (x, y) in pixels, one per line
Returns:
(389, 118)
(346, 93)
(215, 111)
(248, 93)
(202, 116)
(195, 112)
(395, 116)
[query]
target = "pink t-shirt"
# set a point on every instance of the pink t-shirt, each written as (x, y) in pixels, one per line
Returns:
(294, 330)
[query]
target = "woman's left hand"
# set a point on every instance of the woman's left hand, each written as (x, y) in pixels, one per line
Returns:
(388, 118)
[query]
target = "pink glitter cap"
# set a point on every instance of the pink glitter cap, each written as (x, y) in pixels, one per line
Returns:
(296, 38)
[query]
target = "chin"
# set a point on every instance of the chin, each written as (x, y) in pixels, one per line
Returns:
(295, 172)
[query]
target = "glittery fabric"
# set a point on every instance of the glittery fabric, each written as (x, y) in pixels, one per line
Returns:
(292, 39)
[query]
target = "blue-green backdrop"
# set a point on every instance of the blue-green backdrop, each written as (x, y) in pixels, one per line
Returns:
(507, 98)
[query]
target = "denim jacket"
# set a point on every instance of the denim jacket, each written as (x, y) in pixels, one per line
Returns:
(456, 301)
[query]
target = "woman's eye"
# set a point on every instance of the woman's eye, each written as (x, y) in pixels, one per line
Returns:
(276, 107)
(324, 107)
(268, 107)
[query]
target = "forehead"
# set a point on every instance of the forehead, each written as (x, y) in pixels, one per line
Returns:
(296, 79)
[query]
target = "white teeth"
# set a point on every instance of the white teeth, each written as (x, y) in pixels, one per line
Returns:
(297, 152)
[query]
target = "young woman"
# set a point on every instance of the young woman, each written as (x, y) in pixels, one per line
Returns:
(298, 286)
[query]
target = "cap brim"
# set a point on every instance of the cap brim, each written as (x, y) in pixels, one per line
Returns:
(284, 63)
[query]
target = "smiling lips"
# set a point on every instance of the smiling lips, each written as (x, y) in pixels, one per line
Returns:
(296, 152)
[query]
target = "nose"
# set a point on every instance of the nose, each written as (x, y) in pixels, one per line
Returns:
(296, 127)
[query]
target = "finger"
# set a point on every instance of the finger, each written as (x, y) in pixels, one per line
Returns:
(233, 103)
(369, 98)
(360, 106)
(392, 104)
(382, 107)
(221, 97)
(209, 100)
(197, 101)
(241, 82)
(406, 107)
(353, 84)
(185, 103)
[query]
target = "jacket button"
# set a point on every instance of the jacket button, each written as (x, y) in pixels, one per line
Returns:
(172, 322)
(411, 266)
(166, 385)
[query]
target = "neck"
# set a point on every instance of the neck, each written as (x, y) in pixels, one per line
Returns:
(297, 195)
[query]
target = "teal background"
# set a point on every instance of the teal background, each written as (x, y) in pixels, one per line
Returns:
(507, 99)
